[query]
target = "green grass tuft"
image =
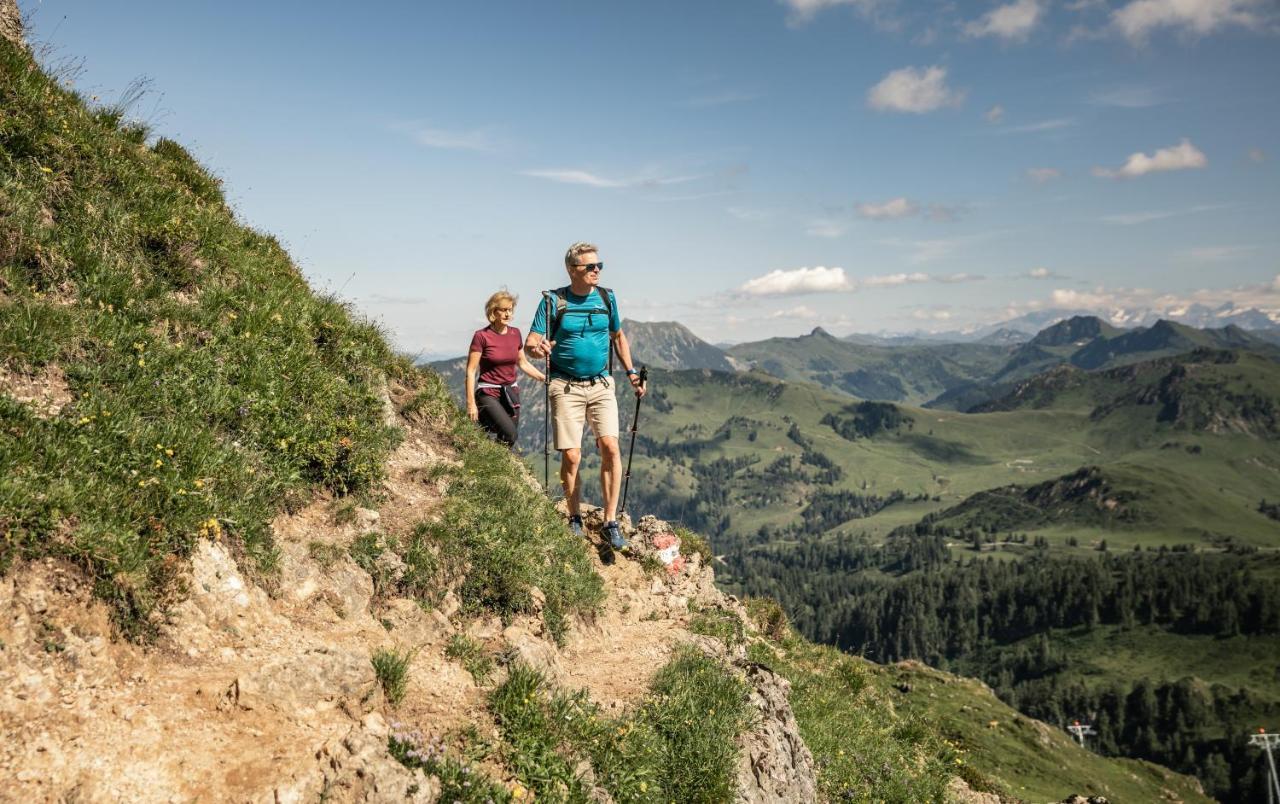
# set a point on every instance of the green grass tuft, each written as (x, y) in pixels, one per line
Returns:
(691, 543)
(720, 624)
(392, 668)
(471, 655)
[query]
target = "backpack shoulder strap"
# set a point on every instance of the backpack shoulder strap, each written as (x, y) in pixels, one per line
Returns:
(605, 295)
(562, 303)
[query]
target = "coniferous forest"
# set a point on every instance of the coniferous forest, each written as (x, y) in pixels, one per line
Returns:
(1006, 622)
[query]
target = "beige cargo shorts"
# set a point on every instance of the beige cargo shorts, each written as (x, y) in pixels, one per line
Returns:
(575, 402)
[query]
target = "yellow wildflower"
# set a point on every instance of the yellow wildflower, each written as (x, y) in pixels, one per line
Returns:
(44, 169)
(169, 452)
(199, 484)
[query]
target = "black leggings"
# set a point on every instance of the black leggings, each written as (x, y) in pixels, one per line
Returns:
(495, 419)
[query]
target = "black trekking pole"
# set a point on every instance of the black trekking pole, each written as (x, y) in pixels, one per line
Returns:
(631, 451)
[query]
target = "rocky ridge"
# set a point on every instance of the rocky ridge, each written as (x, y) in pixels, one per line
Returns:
(263, 690)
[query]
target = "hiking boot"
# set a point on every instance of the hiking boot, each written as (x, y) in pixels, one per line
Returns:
(575, 525)
(613, 532)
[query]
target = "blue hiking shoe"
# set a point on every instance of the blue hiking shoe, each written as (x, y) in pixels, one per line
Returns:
(613, 532)
(575, 525)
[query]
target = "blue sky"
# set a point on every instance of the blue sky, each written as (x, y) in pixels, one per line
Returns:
(749, 168)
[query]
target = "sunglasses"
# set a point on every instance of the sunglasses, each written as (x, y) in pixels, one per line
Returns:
(591, 266)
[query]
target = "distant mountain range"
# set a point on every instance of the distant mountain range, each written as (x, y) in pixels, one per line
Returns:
(936, 374)
(669, 345)
(1199, 316)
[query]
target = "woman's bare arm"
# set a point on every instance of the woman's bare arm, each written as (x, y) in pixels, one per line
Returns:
(473, 369)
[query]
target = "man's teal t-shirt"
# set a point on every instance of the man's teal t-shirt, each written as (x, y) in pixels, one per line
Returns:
(582, 341)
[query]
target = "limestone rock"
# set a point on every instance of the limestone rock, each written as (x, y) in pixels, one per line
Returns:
(775, 765)
(358, 768)
(302, 685)
(959, 792)
(531, 650)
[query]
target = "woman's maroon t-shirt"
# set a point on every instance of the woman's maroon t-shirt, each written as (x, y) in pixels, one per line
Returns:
(499, 355)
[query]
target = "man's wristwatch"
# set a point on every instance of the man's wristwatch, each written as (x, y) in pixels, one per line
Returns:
(632, 372)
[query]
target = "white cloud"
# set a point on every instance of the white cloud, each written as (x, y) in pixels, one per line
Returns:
(583, 177)
(1042, 125)
(804, 10)
(1139, 18)
(889, 210)
(797, 281)
(1082, 299)
(799, 311)
(473, 140)
(995, 114)
(1146, 216)
(1182, 156)
(1275, 284)
(1012, 22)
(933, 314)
(1041, 272)
(574, 177)
(914, 91)
(1040, 175)
(893, 280)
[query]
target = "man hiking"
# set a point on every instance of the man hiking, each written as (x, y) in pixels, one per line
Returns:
(584, 322)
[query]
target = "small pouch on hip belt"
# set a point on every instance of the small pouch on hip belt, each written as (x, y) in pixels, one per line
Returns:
(511, 399)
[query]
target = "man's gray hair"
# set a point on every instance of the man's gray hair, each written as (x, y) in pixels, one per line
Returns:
(577, 249)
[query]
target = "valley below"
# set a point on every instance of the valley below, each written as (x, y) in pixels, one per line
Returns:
(1095, 538)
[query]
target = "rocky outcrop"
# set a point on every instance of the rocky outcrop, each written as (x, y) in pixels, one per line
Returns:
(776, 764)
(11, 22)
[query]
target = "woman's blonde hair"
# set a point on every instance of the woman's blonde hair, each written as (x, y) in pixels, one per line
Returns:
(495, 300)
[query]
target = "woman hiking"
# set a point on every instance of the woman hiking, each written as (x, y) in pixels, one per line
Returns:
(493, 398)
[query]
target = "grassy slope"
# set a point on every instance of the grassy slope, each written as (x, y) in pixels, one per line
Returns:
(209, 386)
(854, 714)
(1032, 761)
